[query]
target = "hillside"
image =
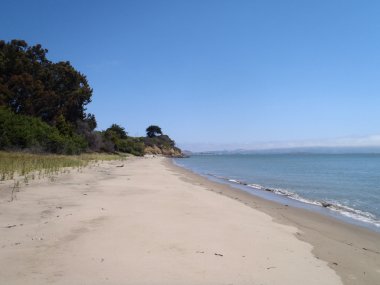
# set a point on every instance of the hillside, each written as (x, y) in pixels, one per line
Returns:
(162, 145)
(43, 109)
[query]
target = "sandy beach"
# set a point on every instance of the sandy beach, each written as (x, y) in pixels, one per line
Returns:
(147, 221)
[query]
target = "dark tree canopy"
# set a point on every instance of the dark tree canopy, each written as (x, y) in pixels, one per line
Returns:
(118, 130)
(153, 131)
(32, 85)
(91, 122)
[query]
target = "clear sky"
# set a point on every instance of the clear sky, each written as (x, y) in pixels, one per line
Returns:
(218, 73)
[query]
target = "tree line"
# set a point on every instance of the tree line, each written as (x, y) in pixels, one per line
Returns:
(43, 108)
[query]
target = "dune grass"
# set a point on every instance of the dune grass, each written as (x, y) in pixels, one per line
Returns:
(23, 165)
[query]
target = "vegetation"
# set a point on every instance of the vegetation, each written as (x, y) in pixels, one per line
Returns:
(153, 131)
(43, 103)
(132, 145)
(30, 84)
(118, 131)
(43, 109)
(20, 164)
(25, 132)
(162, 141)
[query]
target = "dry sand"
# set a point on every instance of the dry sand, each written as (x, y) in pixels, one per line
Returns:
(149, 222)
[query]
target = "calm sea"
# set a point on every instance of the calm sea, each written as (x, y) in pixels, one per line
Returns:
(344, 185)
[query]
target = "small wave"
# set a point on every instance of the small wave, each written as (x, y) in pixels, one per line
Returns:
(217, 176)
(256, 186)
(331, 205)
(354, 213)
(228, 179)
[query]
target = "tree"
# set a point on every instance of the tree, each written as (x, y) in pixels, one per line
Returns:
(32, 85)
(90, 120)
(153, 131)
(116, 135)
(118, 130)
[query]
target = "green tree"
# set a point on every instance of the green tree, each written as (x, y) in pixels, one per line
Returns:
(115, 135)
(91, 122)
(32, 85)
(153, 131)
(118, 130)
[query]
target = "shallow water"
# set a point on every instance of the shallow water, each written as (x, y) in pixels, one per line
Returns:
(348, 184)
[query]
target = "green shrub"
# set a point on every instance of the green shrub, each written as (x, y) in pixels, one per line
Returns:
(25, 132)
(162, 141)
(132, 145)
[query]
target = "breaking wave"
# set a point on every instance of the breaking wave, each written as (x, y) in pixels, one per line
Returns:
(335, 206)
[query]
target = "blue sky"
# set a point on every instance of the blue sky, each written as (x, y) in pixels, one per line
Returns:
(219, 74)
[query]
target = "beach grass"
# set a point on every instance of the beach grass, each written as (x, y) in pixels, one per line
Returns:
(27, 165)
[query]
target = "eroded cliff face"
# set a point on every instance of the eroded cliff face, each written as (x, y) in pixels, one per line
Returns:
(161, 145)
(171, 152)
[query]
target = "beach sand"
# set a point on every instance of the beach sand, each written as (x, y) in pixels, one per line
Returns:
(146, 221)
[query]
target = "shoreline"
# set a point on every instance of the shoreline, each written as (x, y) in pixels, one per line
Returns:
(146, 221)
(333, 209)
(353, 251)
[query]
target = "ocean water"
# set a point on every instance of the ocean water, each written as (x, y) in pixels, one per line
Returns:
(344, 185)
